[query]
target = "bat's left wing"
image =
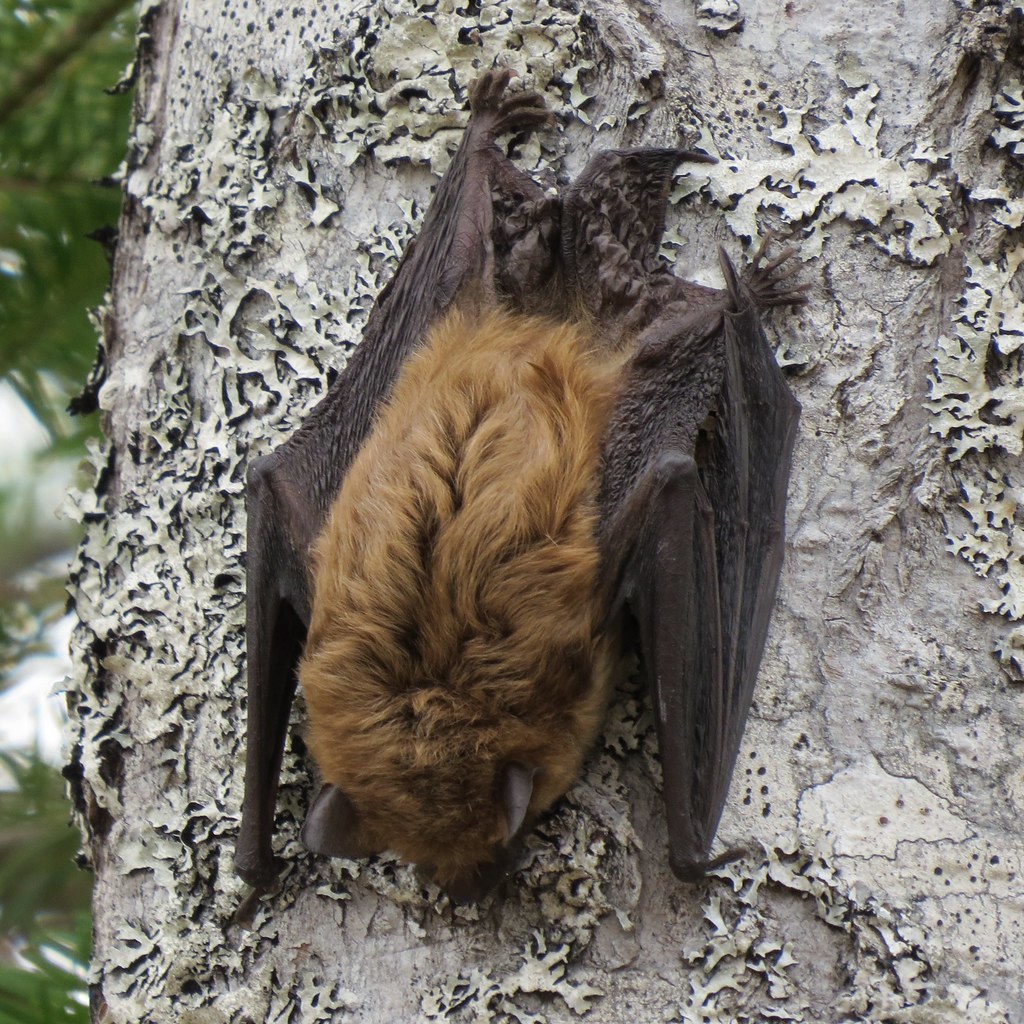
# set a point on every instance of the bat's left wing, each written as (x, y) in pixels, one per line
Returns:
(696, 466)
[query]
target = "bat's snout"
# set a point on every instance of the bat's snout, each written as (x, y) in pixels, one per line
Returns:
(471, 885)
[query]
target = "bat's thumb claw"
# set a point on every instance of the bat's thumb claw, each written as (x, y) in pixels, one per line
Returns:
(243, 916)
(697, 870)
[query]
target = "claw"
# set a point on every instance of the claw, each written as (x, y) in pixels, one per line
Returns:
(787, 253)
(487, 90)
(762, 249)
(522, 111)
(522, 117)
(769, 283)
(522, 99)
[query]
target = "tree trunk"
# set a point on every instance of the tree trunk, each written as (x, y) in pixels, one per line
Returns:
(281, 159)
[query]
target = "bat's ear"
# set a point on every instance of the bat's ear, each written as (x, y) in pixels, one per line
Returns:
(516, 791)
(332, 825)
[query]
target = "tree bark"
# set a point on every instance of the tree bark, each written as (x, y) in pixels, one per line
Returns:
(281, 158)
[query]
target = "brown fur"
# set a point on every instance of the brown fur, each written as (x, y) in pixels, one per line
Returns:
(455, 621)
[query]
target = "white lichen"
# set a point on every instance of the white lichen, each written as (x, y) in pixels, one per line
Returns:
(824, 175)
(748, 974)
(719, 16)
(977, 393)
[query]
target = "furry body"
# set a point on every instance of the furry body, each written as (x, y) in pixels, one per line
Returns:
(456, 617)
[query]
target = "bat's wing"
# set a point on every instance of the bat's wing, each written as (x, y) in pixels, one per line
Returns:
(704, 576)
(290, 491)
(693, 505)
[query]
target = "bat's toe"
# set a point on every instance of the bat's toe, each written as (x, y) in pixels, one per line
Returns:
(486, 92)
(770, 283)
(498, 113)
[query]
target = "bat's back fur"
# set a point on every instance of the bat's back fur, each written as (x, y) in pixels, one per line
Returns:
(456, 620)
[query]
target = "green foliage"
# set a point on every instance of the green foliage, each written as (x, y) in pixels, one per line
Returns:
(49, 992)
(59, 133)
(44, 921)
(36, 846)
(30, 604)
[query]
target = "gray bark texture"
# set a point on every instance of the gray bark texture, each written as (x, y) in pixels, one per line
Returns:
(281, 158)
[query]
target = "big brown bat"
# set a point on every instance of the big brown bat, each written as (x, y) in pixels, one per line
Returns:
(545, 435)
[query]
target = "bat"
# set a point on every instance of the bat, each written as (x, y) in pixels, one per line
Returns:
(546, 446)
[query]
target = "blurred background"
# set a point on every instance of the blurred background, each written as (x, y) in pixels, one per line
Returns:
(64, 113)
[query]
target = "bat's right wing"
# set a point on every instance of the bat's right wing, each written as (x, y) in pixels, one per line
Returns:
(707, 512)
(696, 464)
(290, 491)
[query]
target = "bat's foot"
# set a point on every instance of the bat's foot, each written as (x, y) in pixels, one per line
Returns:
(498, 113)
(769, 283)
(697, 870)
